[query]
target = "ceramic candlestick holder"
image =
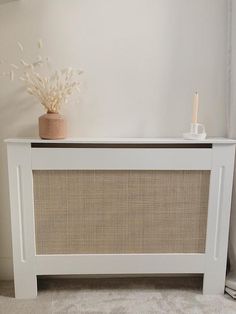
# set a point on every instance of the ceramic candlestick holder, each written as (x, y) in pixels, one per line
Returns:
(197, 132)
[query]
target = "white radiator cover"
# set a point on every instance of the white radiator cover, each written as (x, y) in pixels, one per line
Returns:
(120, 206)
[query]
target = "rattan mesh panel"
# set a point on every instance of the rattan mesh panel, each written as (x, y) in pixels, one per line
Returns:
(120, 211)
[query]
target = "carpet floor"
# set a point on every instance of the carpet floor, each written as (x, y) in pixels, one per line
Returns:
(117, 296)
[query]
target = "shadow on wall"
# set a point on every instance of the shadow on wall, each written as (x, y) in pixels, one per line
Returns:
(17, 116)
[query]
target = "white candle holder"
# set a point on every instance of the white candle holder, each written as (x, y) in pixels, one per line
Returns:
(197, 132)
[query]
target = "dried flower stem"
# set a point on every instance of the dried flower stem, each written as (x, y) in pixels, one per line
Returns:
(52, 91)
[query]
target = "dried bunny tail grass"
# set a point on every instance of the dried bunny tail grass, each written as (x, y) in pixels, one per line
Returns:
(12, 75)
(37, 63)
(25, 64)
(30, 91)
(13, 65)
(40, 43)
(52, 91)
(20, 46)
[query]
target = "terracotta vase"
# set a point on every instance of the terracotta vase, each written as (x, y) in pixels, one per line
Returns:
(52, 126)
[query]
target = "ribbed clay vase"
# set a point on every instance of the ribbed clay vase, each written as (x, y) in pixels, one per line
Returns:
(52, 126)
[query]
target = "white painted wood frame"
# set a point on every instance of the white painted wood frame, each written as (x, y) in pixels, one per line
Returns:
(25, 155)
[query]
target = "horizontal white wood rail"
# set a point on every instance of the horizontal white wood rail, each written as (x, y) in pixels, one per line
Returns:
(121, 159)
(120, 264)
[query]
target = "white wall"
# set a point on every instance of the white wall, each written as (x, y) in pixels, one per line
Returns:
(232, 106)
(231, 126)
(142, 60)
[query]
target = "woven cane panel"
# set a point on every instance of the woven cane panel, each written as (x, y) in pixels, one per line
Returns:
(120, 211)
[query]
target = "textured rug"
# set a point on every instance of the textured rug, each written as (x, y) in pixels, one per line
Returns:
(117, 296)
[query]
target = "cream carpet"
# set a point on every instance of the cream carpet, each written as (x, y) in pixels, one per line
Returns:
(117, 296)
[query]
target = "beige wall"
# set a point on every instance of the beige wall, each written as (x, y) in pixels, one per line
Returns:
(142, 60)
(232, 107)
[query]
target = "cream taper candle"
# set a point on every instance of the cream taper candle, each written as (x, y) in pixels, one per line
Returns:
(195, 107)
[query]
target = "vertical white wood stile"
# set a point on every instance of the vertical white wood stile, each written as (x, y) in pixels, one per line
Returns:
(218, 218)
(22, 219)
